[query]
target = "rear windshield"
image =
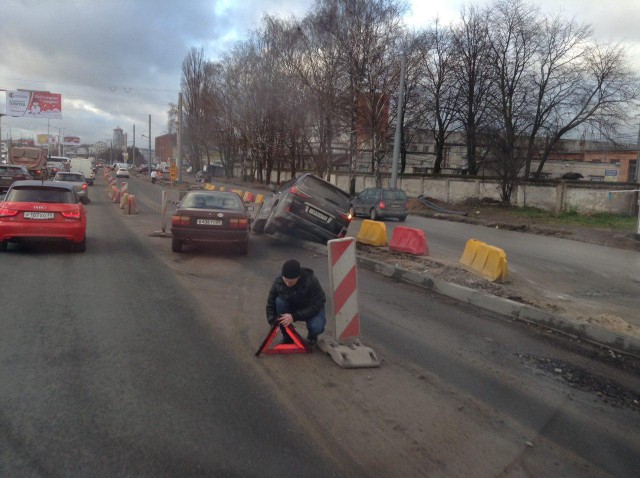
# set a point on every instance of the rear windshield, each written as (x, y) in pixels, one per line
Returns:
(394, 195)
(69, 177)
(209, 201)
(10, 169)
(40, 194)
(323, 190)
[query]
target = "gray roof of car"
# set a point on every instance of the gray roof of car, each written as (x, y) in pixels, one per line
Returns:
(50, 184)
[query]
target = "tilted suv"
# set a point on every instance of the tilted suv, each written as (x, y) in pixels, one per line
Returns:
(307, 206)
(379, 203)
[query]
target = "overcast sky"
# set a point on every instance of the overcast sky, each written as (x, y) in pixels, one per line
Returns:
(115, 62)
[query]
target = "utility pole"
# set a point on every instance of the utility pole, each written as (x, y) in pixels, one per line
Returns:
(1, 115)
(179, 137)
(149, 145)
(133, 148)
(397, 138)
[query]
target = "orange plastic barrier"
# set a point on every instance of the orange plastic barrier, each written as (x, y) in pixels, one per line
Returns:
(248, 197)
(409, 240)
(132, 208)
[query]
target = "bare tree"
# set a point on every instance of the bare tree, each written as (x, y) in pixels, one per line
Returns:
(473, 73)
(441, 94)
(514, 41)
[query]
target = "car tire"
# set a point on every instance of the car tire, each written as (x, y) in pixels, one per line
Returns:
(352, 211)
(3, 246)
(85, 201)
(402, 218)
(258, 226)
(81, 246)
(176, 245)
(243, 249)
(373, 215)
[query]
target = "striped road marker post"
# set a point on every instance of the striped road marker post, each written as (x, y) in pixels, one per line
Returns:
(343, 280)
(345, 349)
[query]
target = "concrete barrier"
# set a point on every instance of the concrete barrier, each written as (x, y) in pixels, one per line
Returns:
(485, 261)
(373, 233)
(409, 240)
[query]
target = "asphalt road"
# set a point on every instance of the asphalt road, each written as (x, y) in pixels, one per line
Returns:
(107, 369)
(132, 360)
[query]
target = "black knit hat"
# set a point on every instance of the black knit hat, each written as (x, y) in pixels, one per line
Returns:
(291, 269)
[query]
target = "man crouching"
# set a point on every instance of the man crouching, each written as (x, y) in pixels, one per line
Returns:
(296, 296)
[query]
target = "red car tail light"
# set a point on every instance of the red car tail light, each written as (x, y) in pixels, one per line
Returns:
(382, 205)
(241, 223)
(179, 220)
(71, 214)
(346, 216)
(6, 212)
(84, 186)
(295, 191)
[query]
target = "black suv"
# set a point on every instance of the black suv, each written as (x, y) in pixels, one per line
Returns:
(378, 203)
(307, 206)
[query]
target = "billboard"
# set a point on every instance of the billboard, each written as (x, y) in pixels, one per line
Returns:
(43, 138)
(71, 140)
(34, 104)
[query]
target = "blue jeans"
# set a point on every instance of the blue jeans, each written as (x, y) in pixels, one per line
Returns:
(315, 325)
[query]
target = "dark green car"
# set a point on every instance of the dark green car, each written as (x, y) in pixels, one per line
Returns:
(379, 203)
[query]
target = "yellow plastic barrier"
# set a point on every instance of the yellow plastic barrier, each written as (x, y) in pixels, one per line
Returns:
(373, 233)
(222, 188)
(259, 199)
(209, 187)
(484, 260)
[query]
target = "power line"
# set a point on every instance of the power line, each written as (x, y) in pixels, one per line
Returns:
(113, 89)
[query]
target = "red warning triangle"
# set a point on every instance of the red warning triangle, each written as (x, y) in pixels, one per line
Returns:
(298, 346)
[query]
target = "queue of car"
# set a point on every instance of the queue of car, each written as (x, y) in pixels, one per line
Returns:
(306, 206)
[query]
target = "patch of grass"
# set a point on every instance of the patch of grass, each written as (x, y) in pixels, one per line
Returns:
(596, 220)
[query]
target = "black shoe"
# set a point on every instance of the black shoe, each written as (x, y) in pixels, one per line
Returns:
(311, 342)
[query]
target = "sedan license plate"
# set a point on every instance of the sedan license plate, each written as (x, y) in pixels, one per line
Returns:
(38, 215)
(6, 177)
(209, 222)
(315, 213)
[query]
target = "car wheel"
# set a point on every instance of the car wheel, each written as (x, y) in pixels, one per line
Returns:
(85, 201)
(176, 245)
(402, 218)
(81, 246)
(3, 246)
(373, 215)
(258, 226)
(352, 211)
(243, 249)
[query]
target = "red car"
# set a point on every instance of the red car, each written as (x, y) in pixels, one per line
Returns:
(42, 210)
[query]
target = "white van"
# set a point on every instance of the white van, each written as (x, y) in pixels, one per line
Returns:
(84, 166)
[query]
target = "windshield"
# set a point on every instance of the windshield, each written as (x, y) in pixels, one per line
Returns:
(394, 195)
(209, 201)
(40, 194)
(69, 177)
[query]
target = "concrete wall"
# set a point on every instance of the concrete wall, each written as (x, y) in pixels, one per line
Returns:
(582, 196)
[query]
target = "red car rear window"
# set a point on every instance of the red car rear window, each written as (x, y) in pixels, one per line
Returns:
(41, 194)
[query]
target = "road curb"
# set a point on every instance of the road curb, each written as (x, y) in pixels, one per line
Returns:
(509, 308)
